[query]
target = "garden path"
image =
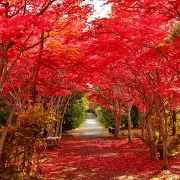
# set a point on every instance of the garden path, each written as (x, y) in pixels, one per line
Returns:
(92, 153)
(89, 129)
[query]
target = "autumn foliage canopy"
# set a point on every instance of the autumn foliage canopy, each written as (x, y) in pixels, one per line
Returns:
(50, 49)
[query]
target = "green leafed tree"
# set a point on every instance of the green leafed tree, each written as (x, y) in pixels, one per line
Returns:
(135, 116)
(75, 113)
(106, 119)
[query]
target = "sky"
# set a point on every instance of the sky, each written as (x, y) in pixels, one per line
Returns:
(100, 9)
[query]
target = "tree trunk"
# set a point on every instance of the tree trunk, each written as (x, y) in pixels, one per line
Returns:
(162, 115)
(117, 126)
(130, 139)
(143, 125)
(150, 137)
(165, 154)
(63, 110)
(164, 131)
(60, 128)
(174, 122)
(57, 129)
(50, 130)
(5, 130)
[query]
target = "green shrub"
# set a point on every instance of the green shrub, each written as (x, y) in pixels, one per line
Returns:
(135, 116)
(106, 119)
(75, 113)
(124, 120)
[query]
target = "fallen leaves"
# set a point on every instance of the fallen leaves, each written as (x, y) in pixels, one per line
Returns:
(102, 158)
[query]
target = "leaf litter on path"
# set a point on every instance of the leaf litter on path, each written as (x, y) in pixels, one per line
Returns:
(103, 158)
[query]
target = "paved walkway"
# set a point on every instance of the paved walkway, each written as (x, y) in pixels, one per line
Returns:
(90, 128)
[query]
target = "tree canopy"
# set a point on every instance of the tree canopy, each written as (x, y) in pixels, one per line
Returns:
(50, 49)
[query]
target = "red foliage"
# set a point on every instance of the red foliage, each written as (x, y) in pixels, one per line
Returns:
(100, 158)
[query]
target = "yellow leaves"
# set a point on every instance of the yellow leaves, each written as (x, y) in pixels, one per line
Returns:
(51, 117)
(54, 44)
(53, 33)
(37, 116)
(63, 35)
(57, 48)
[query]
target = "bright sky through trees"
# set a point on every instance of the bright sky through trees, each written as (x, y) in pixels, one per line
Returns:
(101, 9)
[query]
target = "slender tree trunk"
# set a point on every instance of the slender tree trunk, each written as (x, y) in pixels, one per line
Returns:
(60, 128)
(50, 130)
(118, 113)
(164, 129)
(130, 139)
(5, 130)
(143, 125)
(57, 128)
(165, 154)
(59, 112)
(174, 122)
(117, 125)
(164, 137)
(116, 116)
(164, 133)
(150, 136)
(62, 116)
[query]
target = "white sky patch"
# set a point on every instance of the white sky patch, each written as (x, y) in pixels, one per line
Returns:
(101, 10)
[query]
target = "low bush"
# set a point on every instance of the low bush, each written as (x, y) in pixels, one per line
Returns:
(19, 146)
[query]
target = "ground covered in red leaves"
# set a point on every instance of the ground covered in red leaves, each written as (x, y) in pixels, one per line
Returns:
(103, 158)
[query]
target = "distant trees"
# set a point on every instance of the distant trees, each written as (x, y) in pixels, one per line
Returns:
(75, 113)
(106, 118)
